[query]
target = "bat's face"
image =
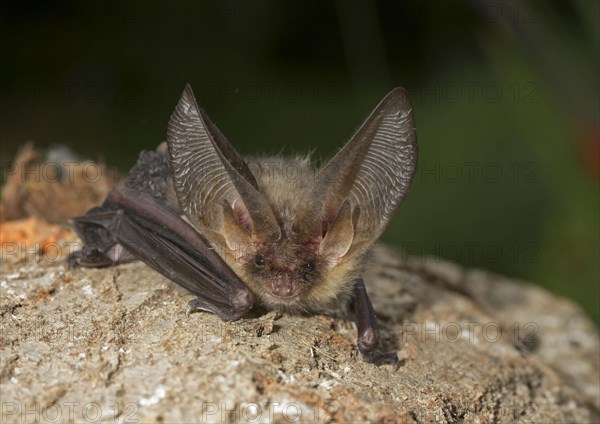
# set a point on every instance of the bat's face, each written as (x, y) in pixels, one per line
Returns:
(284, 273)
(297, 243)
(297, 277)
(307, 265)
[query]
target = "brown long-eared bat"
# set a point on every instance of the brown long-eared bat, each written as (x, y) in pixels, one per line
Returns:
(258, 231)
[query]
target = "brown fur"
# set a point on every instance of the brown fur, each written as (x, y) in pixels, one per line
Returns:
(286, 183)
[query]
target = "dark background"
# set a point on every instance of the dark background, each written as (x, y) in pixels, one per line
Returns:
(505, 95)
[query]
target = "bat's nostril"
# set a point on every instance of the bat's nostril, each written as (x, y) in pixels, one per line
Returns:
(282, 288)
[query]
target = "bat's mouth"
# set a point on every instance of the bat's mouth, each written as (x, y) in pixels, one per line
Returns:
(283, 298)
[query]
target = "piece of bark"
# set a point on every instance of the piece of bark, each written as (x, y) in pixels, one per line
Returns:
(472, 347)
(54, 189)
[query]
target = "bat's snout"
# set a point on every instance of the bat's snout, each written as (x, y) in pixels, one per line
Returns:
(283, 287)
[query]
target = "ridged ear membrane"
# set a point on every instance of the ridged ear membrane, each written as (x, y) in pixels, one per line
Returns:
(373, 171)
(207, 170)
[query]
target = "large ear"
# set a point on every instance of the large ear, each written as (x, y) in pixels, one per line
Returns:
(373, 171)
(207, 171)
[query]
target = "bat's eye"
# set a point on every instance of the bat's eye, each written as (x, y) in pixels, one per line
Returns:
(309, 267)
(260, 261)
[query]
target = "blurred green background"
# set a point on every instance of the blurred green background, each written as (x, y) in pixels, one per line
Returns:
(505, 94)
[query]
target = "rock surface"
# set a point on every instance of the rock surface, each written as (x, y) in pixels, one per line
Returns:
(115, 345)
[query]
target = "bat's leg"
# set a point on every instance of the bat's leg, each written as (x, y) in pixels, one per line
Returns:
(366, 322)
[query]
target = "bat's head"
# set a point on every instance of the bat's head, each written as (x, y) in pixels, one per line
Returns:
(310, 264)
(297, 241)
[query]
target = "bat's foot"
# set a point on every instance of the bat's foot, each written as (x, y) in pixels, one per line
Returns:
(381, 358)
(73, 259)
(90, 258)
(194, 305)
(367, 343)
(233, 313)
